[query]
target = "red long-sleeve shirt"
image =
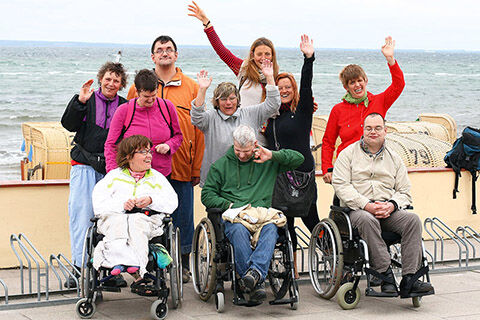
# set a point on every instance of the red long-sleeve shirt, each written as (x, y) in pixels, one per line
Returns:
(232, 61)
(346, 119)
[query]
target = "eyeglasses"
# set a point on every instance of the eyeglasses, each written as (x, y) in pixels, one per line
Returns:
(377, 129)
(167, 51)
(144, 152)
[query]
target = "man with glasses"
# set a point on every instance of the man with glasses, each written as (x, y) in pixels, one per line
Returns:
(371, 179)
(186, 162)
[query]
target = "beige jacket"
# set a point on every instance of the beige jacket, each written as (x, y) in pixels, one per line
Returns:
(263, 216)
(359, 178)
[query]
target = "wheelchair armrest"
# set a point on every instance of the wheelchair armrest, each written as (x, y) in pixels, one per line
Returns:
(409, 207)
(215, 216)
(281, 208)
(217, 211)
(340, 209)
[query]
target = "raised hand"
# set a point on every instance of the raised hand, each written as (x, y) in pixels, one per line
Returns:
(86, 91)
(388, 49)
(267, 70)
(262, 154)
(306, 46)
(197, 12)
(203, 80)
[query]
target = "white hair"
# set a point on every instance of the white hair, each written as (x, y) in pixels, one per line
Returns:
(244, 135)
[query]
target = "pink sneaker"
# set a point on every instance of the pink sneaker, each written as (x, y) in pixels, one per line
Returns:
(132, 269)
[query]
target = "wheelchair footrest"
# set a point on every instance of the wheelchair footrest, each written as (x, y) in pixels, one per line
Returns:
(109, 289)
(245, 303)
(283, 301)
(420, 294)
(372, 293)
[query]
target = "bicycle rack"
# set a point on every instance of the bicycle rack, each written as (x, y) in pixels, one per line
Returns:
(31, 254)
(302, 237)
(436, 226)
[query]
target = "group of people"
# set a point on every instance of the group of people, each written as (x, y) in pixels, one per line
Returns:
(161, 142)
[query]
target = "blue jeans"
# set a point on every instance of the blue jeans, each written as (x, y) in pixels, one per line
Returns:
(80, 209)
(183, 215)
(245, 258)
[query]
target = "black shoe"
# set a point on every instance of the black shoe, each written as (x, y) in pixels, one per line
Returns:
(249, 280)
(71, 283)
(389, 285)
(116, 281)
(258, 294)
(417, 287)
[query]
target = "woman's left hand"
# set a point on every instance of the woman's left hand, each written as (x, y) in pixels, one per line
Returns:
(143, 202)
(306, 46)
(162, 148)
(388, 49)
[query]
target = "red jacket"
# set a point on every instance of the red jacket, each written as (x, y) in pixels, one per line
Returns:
(346, 119)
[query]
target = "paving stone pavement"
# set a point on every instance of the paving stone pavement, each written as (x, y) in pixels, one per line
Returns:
(457, 296)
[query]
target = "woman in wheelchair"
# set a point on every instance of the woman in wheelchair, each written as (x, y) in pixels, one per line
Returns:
(133, 186)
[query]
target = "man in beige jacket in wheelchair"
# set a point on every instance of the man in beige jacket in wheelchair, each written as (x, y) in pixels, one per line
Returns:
(371, 179)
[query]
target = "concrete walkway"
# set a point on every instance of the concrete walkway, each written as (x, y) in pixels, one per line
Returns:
(457, 296)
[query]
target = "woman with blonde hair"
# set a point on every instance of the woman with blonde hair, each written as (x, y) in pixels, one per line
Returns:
(252, 82)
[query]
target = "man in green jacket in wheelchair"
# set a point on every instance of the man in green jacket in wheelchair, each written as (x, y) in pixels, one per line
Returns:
(246, 175)
(371, 179)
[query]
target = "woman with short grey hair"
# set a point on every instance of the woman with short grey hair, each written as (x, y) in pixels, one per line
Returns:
(219, 123)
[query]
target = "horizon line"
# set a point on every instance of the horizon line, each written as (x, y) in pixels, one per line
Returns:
(37, 43)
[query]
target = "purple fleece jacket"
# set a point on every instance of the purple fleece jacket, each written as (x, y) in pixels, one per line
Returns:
(147, 121)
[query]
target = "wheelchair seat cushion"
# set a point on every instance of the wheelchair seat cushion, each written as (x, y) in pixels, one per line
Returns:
(391, 238)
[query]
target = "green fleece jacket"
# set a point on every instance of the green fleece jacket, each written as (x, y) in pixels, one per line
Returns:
(232, 181)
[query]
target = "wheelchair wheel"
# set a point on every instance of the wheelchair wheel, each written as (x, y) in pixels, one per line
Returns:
(219, 302)
(204, 268)
(85, 309)
(278, 275)
(325, 258)
(159, 310)
(87, 253)
(175, 275)
(346, 297)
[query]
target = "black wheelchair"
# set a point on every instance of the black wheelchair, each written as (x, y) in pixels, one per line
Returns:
(93, 282)
(338, 257)
(213, 263)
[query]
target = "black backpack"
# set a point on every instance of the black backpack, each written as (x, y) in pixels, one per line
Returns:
(465, 154)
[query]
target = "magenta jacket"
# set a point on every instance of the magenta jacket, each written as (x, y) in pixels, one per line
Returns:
(150, 122)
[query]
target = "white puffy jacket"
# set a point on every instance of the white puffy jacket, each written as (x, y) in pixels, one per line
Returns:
(126, 235)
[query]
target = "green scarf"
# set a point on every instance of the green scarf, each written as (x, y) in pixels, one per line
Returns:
(348, 97)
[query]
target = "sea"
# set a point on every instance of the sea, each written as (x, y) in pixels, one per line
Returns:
(36, 82)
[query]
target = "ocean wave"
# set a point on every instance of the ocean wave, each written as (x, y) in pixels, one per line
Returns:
(13, 73)
(86, 72)
(54, 72)
(446, 74)
(25, 117)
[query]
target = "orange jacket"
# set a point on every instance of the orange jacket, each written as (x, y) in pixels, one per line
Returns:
(181, 90)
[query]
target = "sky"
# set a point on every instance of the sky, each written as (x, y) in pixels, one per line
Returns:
(351, 24)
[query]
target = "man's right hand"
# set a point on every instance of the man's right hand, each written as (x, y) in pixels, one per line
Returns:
(85, 91)
(327, 177)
